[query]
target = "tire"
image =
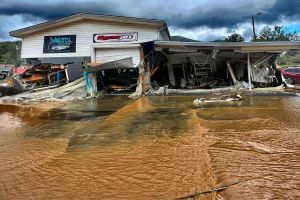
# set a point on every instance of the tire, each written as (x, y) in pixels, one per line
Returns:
(289, 80)
(2, 76)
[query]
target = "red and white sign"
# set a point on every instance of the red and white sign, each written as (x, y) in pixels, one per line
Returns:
(115, 37)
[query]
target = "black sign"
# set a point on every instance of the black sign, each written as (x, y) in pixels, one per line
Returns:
(60, 44)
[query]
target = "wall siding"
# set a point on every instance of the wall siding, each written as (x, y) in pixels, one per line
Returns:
(32, 46)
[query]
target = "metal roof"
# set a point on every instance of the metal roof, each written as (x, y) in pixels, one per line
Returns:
(275, 46)
(80, 16)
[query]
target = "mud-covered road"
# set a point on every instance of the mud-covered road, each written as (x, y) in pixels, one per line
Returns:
(151, 148)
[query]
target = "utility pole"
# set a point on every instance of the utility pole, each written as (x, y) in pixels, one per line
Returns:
(253, 26)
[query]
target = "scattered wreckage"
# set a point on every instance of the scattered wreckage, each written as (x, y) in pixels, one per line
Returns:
(166, 68)
(180, 68)
(224, 98)
(49, 82)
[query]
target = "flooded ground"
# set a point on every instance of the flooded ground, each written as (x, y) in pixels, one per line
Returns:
(151, 148)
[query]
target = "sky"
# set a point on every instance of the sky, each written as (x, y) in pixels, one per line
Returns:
(204, 20)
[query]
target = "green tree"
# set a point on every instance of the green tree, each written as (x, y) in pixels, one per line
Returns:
(278, 33)
(234, 38)
(10, 52)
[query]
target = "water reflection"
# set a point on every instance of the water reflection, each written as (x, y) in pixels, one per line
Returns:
(150, 148)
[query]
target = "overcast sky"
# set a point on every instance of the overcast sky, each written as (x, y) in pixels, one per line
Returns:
(203, 20)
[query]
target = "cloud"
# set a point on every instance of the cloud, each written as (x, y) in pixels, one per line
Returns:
(12, 23)
(283, 10)
(52, 10)
(203, 20)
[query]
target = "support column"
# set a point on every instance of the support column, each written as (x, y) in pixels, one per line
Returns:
(93, 55)
(249, 72)
(231, 73)
(171, 72)
(142, 75)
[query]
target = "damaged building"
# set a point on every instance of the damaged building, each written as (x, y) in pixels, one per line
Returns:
(125, 54)
(206, 65)
(85, 38)
(192, 67)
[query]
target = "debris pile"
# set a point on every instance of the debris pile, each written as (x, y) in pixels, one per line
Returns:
(70, 91)
(115, 77)
(31, 83)
(235, 96)
(50, 82)
(45, 74)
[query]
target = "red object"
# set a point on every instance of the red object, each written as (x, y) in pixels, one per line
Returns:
(20, 70)
(111, 37)
(291, 74)
(108, 37)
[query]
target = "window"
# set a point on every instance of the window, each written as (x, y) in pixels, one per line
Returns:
(289, 70)
(297, 70)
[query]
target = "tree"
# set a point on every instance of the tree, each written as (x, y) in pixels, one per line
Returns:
(234, 38)
(278, 33)
(10, 52)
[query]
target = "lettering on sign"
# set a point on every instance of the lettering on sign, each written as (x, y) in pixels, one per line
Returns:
(115, 37)
(60, 44)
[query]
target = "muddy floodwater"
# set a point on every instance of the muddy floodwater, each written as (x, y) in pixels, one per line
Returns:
(151, 148)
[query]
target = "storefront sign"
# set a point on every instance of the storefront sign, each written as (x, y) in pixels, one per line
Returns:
(60, 44)
(115, 37)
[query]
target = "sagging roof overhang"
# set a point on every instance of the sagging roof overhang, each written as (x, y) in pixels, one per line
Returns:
(238, 47)
(80, 16)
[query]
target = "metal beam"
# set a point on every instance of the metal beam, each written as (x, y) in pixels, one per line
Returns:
(231, 73)
(249, 71)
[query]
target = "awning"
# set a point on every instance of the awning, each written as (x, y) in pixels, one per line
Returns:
(242, 47)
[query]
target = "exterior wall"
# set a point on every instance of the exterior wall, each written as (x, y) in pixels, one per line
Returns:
(32, 46)
(63, 60)
(160, 36)
(163, 36)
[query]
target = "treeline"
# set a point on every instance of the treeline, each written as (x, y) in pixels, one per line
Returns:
(267, 34)
(277, 33)
(10, 52)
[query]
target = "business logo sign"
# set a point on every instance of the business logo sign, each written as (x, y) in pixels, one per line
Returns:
(115, 37)
(60, 44)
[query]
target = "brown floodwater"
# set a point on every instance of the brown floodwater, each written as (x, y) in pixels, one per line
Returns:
(151, 148)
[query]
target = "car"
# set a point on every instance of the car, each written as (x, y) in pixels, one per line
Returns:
(291, 75)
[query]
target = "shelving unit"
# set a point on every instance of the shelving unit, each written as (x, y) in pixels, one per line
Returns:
(203, 72)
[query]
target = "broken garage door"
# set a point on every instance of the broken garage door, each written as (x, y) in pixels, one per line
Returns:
(112, 54)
